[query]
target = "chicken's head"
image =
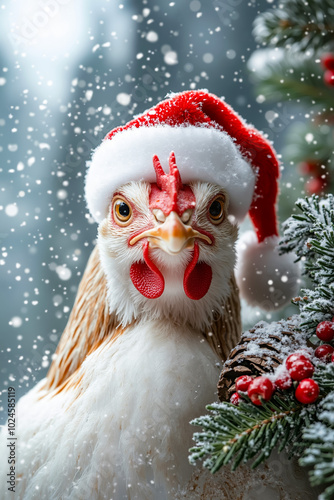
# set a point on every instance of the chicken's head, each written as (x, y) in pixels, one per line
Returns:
(167, 248)
(167, 243)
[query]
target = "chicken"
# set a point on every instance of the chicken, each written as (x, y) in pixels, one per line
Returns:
(156, 312)
(111, 420)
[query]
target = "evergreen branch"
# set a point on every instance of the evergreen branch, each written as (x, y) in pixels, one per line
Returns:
(287, 77)
(238, 434)
(319, 149)
(311, 236)
(324, 375)
(299, 24)
(319, 438)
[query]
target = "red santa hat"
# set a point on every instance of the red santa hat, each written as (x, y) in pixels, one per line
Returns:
(211, 143)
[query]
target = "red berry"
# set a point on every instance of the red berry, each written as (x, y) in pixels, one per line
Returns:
(329, 77)
(315, 185)
(332, 358)
(242, 383)
(327, 61)
(307, 391)
(325, 331)
(323, 352)
(283, 382)
(301, 369)
(296, 356)
(235, 399)
(260, 387)
(308, 167)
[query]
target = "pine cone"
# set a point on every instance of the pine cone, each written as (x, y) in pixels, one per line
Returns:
(260, 351)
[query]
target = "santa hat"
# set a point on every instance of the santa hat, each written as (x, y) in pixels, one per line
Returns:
(211, 143)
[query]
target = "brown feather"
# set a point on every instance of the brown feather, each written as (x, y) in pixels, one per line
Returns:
(225, 330)
(90, 324)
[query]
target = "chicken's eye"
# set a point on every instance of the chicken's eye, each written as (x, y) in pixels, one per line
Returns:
(216, 209)
(122, 211)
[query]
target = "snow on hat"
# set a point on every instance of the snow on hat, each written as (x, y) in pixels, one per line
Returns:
(213, 144)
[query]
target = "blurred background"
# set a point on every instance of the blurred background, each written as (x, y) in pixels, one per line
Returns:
(71, 71)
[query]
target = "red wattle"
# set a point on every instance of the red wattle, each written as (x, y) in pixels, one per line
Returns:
(146, 277)
(197, 277)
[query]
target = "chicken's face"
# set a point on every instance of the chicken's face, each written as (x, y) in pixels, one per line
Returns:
(168, 249)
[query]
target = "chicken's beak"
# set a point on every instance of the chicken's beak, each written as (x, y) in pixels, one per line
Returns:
(172, 236)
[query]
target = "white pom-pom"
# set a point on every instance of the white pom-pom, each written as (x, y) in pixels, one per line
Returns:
(265, 278)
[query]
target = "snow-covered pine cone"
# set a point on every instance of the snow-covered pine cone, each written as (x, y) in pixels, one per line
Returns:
(260, 350)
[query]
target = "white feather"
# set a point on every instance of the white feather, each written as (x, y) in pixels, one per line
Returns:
(127, 433)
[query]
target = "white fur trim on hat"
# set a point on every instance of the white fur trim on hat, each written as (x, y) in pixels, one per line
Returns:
(265, 278)
(204, 154)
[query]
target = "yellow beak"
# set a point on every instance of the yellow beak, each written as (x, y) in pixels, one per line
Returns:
(172, 236)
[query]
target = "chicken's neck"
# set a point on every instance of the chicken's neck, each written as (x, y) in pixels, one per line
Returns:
(179, 303)
(91, 323)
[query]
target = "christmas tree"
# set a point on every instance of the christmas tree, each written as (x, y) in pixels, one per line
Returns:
(297, 66)
(280, 377)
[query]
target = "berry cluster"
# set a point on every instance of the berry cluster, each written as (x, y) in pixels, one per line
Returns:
(298, 373)
(325, 333)
(327, 62)
(259, 387)
(301, 369)
(298, 369)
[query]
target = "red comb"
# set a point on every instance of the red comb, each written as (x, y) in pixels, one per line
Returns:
(170, 183)
(169, 194)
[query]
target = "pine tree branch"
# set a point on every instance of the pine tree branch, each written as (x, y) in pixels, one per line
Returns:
(324, 375)
(238, 434)
(311, 236)
(299, 24)
(291, 77)
(319, 438)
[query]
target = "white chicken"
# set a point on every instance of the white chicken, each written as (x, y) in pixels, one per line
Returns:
(156, 311)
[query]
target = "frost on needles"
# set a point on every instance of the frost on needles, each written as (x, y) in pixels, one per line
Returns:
(311, 235)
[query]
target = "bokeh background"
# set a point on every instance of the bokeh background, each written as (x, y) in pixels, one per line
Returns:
(70, 71)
